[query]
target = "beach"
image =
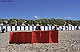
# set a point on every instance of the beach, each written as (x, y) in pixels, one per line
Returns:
(68, 41)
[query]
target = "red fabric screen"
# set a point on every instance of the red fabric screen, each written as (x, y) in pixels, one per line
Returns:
(35, 36)
(13, 37)
(21, 37)
(28, 37)
(53, 36)
(44, 37)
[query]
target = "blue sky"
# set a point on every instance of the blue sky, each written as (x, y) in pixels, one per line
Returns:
(27, 9)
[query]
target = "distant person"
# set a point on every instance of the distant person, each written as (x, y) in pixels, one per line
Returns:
(62, 28)
(55, 28)
(38, 27)
(77, 28)
(3, 30)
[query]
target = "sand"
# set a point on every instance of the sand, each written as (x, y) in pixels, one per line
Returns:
(69, 41)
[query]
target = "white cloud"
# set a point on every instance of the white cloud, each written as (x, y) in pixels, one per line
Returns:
(67, 17)
(37, 17)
